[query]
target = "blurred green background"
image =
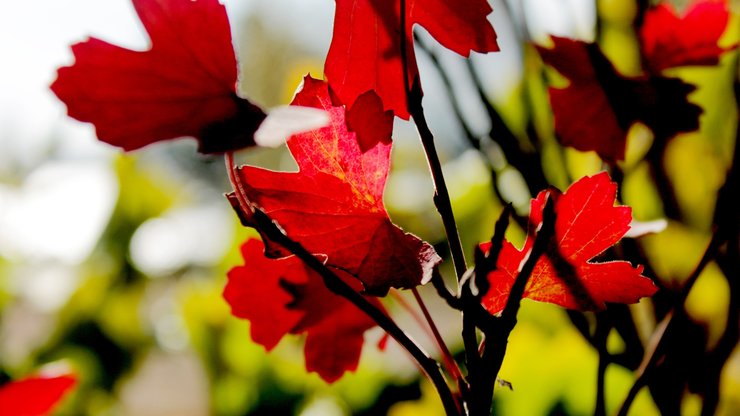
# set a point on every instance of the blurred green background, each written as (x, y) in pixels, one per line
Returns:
(114, 263)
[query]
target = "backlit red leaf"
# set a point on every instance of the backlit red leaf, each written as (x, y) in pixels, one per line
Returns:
(282, 296)
(184, 85)
(669, 40)
(587, 223)
(585, 127)
(595, 110)
(334, 204)
(365, 52)
(34, 396)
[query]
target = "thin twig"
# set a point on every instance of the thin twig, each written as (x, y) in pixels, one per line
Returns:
(473, 140)
(444, 292)
(426, 323)
(441, 194)
(603, 327)
(418, 318)
(447, 357)
(541, 244)
(474, 316)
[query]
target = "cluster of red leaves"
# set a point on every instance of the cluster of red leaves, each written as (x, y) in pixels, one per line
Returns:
(34, 396)
(185, 85)
(333, 206)
(586, 224)
(615, 102)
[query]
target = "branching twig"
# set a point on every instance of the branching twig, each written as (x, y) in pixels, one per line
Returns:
(474, 316)
(441, 194)
(497, 330)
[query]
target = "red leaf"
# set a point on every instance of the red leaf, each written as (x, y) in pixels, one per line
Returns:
(368, 120)
(365, 52)
(254, 293)
(587, 223)
(599, 105)
(669, 40)
(283, 296)
(185, 85)
(334, 204)
(34, 396)
(585, 127)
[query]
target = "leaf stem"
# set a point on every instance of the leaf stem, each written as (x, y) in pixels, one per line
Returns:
(420, 322)
(334, 283)
(441, 194)
(450, 362)
(236, 184)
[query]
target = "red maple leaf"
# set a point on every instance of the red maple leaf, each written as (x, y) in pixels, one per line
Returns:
(334, 204)
(365, 52)
(587, 223)
(669, 40)
(283, 296)
(185, 85)
(599, 105)
(35, 395)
